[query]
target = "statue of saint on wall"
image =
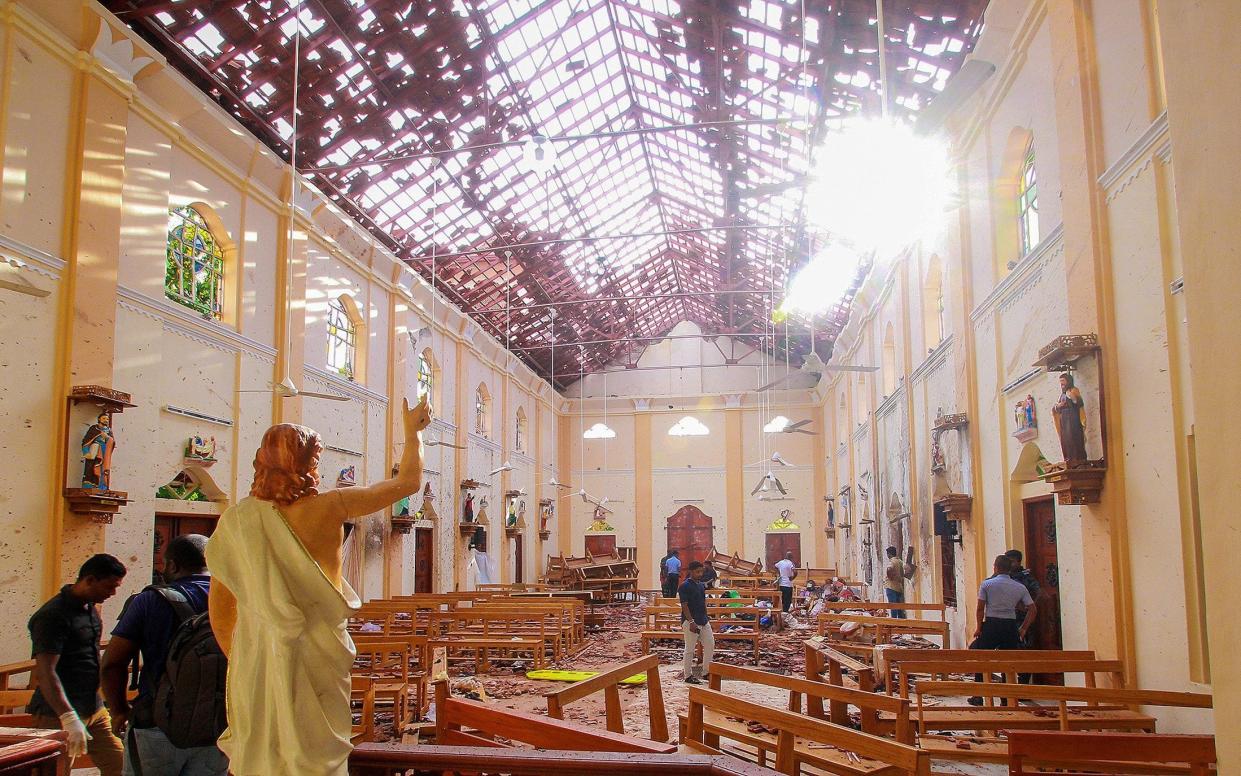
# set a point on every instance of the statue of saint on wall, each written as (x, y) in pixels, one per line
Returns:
(600, 521)
(546, 510)
(97, 445)
(937, 454)
(1025, 420)
(510, 520)
(1070, 417)
(467, 513)
(200, 450)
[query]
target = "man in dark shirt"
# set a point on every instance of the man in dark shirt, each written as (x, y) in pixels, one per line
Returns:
(695, 625)
(147, 625)
(64, 637)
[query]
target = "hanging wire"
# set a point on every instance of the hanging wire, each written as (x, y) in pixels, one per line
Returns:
(288, 275)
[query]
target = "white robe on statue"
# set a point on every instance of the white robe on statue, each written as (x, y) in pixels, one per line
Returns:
(288, 675)
(482, 567)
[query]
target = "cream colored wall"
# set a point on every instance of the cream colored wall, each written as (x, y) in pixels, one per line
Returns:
(177, 149)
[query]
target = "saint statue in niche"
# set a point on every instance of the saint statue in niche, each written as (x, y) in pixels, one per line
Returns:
(937, 454)
(279, 602)
(600, 521)
(97, 445)
(467, 514)
(1070, 416)
(510, 520)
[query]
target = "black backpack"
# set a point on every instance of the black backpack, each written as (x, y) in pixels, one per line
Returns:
(189, 700)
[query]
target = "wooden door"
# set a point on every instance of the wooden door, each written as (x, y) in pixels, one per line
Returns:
(519, 561)
(780, 543)
(422, 560)
(690, 531)
(1041, 558)
(603, 544)
(169, 527)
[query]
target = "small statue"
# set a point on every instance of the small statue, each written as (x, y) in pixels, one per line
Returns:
(279, 603)
(97, 445)
(1070, 416)
(545, 513)
(511, 520)
(600, 521)
(467, 515)
(199, 449)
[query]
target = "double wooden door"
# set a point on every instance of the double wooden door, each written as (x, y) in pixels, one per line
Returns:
(423, 560)
(1042, 560)
(690, 532)
(518, 560)
(780, 543)
(602, 544)
(169, 527)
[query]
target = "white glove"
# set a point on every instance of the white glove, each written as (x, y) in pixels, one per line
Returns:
(71, 723)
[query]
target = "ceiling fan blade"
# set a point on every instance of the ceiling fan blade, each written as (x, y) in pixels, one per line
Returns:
(779, 381)
(797, 424)
(801, 431)
(849, 368)
(313, 395)
(256, 390)
(758, 487)
(779, 486)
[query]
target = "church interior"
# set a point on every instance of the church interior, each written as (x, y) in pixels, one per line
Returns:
(847, 297)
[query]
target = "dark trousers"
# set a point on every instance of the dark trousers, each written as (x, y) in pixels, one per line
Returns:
(896, 598)
(671, 583)
(786, 598)
(997, 634)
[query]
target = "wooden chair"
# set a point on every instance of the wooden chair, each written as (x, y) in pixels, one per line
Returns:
(607, 681)
(362, 695)
(798, 740)
(386, 663)
(1035, 752)
(32, 756)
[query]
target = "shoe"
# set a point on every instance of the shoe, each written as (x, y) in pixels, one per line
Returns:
(976, 701)
(692, 680)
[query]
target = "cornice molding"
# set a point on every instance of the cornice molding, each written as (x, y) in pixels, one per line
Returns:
(22, 256)
(933, 361)
(1117, 177)
(1025, 274)
(337, 383)
(192, 326)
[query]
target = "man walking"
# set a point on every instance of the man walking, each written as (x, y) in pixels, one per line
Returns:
(672, 578)
(695, 624)
(894, 579)
(147, 625)
(786, 572)
(998, 599)
(64, 638)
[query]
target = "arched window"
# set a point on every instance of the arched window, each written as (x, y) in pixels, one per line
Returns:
(1027, 202)
(194, 264)
(482, 410)
(933, 327)
(342, 337)
(519, 432)
(842, 417)
(889, 361)
(861, 400)
(426, 374)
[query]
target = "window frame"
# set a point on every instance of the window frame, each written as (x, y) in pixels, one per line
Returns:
(341, 339)
(1027, 203)
(191, 217)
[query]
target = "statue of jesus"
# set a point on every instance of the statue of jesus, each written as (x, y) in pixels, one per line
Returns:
(279, 603)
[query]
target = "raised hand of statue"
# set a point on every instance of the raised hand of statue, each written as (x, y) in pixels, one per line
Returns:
(418, 418)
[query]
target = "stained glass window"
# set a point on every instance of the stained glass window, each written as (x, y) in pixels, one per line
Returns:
(426, 377)
(1027, 203)
(342, 340)
(194, 268)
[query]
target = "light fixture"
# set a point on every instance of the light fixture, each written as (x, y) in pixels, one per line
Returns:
(776, 425)
(538, 153)
(880, 186)
(598, 431)
(689, 426)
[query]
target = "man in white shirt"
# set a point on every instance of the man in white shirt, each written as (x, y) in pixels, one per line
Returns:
(786, 571)
(998, 599)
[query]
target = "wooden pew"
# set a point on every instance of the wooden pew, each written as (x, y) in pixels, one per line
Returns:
(800, 739)
(461, 722)
(607, 681)
(886, 627)
(32, 753)
(10, 671)
(904, 662)
(1108, 753)
(387, 759)
(419, 665)
(664, 622)
(823, 658)
(568, 618)
(386, 664)
(839, 698)
(362, 694)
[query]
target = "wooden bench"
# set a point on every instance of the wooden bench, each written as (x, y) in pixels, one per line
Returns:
(885, 627)
(387, 665)
(485, 630)
(824, 661)
(664, 622)
(838, 698)
(797, 740)
(33, 752)
(902, 663)
(607, 681)
(567, 617)
(1034, 752)
(461, 722)
(546, 622)
(386, 759)
(9, 671)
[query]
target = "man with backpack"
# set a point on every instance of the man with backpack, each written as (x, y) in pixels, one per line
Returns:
(179, 711)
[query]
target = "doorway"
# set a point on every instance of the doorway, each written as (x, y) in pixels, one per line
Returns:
(169, 527)
(780, 543)
(601, 544)
(422, 560)
(518, 559)
(690, 532)
(1042, 560)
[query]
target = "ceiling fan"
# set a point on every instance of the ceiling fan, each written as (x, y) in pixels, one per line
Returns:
(437, 443)
(285, 389)
(557, 484)
(775, 458)
(796, 428)
(811, 371)
(600, 503)
(504, 467)
(765, 484)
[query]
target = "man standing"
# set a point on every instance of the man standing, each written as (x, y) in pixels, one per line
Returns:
(672, 578)
(1023, 576)
(894, 579)
(64, 637)
(147, 625)
(998, 599)
(786, 572)
(694, 622)
(709, 576)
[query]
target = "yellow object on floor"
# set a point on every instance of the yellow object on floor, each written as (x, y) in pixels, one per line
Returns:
(577, 676)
